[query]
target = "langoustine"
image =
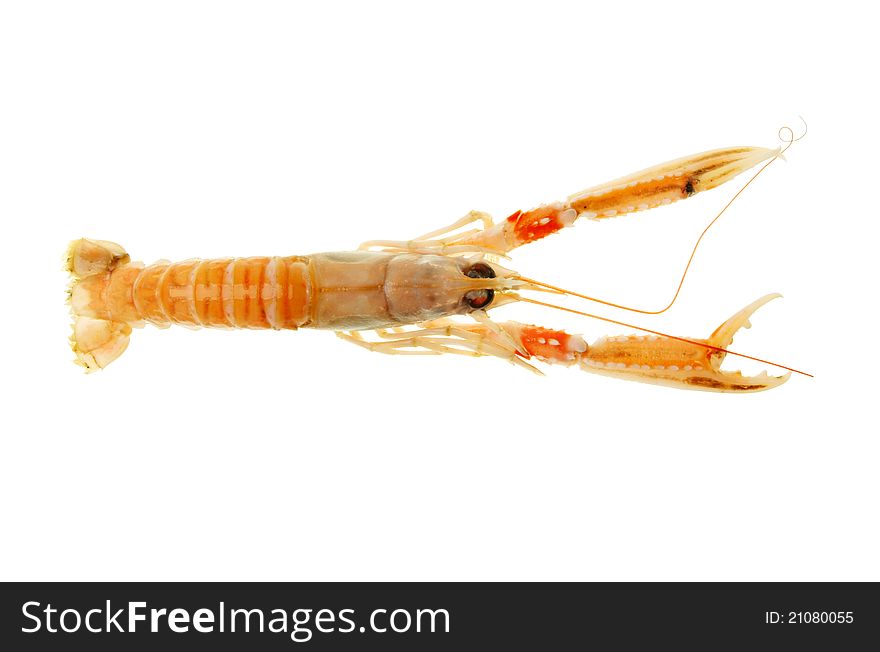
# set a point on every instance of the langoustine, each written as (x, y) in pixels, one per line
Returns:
(407, 293)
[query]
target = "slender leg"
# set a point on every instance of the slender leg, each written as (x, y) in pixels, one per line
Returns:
(441, 240)
(439, 337)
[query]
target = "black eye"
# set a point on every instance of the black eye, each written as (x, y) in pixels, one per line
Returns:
(478, 299)
(479, 270)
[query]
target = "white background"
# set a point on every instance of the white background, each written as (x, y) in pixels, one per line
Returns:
(183, 129)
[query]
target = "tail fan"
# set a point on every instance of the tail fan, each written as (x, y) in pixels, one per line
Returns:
(97, 339)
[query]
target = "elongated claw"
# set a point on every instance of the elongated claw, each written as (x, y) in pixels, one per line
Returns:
(655, 186)
(667, 182)
(651, 358)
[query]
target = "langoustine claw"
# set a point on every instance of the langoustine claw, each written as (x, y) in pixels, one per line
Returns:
(681, 363)
(659, 185)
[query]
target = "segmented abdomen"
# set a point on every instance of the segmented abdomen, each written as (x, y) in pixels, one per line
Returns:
(260, 292)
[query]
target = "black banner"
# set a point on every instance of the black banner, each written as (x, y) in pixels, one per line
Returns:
(434, 616)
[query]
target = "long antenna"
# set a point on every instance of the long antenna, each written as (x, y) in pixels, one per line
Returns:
(789, 140)
(672, 337)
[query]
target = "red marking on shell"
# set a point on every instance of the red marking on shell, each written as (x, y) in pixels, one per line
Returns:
(528, 226)
(514, 217)
(536, 340)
